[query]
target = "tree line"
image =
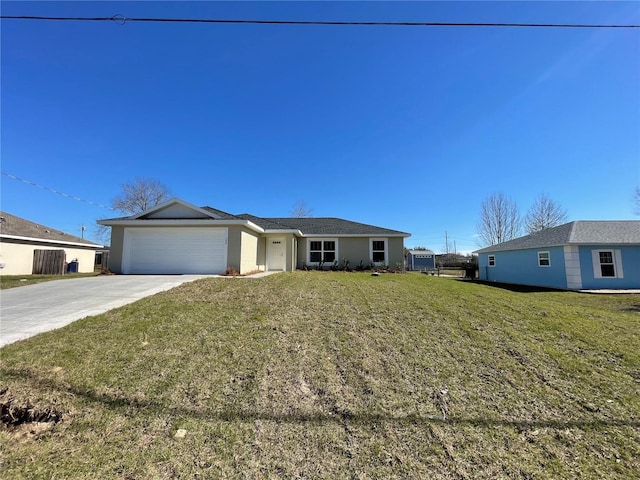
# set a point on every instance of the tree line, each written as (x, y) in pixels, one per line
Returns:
(500, 218)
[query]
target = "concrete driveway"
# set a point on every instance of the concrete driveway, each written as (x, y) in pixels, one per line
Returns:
(27, 311)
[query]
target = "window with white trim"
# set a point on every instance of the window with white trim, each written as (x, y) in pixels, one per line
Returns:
(607, 264)
(544, 259)
(322, 250)
(492, 260)
(378, 250)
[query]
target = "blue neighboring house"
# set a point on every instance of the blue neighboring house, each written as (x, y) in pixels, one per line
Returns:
(421, 260)
(580, 255)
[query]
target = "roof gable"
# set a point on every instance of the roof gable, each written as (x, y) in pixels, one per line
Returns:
(176, 209)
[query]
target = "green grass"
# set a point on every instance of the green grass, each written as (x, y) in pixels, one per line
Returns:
(12, 281)
(332, 375)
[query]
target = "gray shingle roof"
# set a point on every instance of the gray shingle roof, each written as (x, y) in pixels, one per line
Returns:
(589, 232)
(220, 213)
(332, 226)
(263, 222)
(19, 227)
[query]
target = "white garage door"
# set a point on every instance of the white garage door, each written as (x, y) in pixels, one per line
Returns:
(175, 250)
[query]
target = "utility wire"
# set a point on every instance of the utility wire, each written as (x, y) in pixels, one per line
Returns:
(121, 19)
(55, 191)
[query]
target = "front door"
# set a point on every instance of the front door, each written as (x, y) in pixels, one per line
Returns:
(276, 254)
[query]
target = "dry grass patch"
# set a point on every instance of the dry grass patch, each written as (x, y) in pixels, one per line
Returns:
(334, 375)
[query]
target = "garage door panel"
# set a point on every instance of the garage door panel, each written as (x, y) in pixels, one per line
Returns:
(175, 250)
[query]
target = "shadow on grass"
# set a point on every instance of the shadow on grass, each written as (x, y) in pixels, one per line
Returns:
(336, 416)
(513, 287)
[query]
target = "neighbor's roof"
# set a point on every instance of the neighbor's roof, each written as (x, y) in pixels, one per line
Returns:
(421, 252)
(12, 226)
(331, 226)
(581, 232)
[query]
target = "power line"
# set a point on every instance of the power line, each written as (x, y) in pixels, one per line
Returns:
(55, 191)
(121, 19)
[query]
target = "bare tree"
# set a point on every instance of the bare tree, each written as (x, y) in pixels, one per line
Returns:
(102, 234)
(636, 201)
(499, 220)
(136, 196)
(140, 195)
(301, 210)
(544, 213)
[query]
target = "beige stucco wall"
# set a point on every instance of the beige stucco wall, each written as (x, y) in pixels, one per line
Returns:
(116, 249)
(396, 252)
(249, 252)
(242, 249)
(262, 253)
(18, 257)
(290, 254)
(356, 249)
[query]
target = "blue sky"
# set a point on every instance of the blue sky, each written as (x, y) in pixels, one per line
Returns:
(407, 128)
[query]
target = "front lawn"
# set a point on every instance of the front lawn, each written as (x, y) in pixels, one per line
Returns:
(331, 375)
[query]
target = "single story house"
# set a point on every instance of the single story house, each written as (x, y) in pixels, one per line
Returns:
(580, 255)
(177, 237)
(21, 239)
(421, 260)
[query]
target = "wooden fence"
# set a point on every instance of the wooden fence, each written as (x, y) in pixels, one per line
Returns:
(48, 262)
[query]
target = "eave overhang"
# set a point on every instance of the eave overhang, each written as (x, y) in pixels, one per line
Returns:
(55, 242)
(356, 235)
(180, 222)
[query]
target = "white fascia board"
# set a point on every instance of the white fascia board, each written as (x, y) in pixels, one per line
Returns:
(491, 249)
(172, 222)
(355, 235)
(297, 233)
(57, 242)
(608, 244)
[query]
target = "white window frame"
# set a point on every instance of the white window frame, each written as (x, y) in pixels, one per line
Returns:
(386, 250)
(491, 260)
(616, 262)
(322, 250)
(548, 259)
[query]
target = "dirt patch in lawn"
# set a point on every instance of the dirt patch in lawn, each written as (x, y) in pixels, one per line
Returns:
(24, 420)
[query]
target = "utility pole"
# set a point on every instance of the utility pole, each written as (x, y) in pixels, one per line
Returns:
(83, 229)
(446, 242)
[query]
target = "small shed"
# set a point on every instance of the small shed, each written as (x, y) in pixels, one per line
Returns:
(420, 260)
